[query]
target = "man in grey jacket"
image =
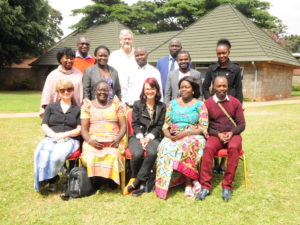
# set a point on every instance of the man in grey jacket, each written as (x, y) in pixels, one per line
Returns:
(183, 60)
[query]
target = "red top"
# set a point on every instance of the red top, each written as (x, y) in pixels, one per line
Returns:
(82, 63)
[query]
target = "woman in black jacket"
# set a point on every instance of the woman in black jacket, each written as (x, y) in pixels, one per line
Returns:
(148, 117)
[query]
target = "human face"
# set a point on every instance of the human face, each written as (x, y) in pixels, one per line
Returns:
(102, 92)
(66, 93)
(221, 87)
(185, 89)
(174, 48)
(102, 56)
(140, 57)
(67, 62)
(183, 61)
(83, 46)
(126, 41)
(150, 92)
(222, 53)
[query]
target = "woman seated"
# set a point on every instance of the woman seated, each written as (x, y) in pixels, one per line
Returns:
(61, 124)
(148, 117)
(101, 71)
(65, 70)
(103, 127)
(180, 150)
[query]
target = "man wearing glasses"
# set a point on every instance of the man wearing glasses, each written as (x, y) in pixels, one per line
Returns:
(83, 59)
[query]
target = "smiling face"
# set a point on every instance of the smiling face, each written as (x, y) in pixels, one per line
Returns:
(140, 57)
(183, 61)
(102, 92)
(102, 56)
(186, 89)
(150, 92)
(222, 53)
(83, 46)
(221, 87)
(67, 62)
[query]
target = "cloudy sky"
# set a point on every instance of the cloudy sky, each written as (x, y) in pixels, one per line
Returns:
(287, 11)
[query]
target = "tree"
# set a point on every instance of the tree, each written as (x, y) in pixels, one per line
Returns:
(167, 15)
(293, 43)
(27, 29)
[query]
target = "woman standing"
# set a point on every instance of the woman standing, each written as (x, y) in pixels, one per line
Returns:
(103, 127)
(101, 71)
(65, 70)
(61, 124)
(148, 116)
(180, 151)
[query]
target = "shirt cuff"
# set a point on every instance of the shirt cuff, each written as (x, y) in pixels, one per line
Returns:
(150, 136)
(139, 136)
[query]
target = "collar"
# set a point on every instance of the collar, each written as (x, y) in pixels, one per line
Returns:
(62, 70)
(216, 100)
(142, 68)
(171, 58)
(217, 65)
(80, 56)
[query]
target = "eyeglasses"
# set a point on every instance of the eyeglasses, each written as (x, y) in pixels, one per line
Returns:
(84, 43)
(63, 90)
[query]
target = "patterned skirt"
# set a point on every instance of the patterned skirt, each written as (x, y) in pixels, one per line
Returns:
(50, 156)
(107, 162)
(181, 156)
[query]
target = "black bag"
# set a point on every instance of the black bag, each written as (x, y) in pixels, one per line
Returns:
(150, 183)
(78, 184)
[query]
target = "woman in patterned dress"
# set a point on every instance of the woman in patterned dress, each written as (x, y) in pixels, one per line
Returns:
(180, 151)
(103, 127)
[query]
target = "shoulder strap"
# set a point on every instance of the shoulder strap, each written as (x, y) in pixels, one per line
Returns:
(226, 113)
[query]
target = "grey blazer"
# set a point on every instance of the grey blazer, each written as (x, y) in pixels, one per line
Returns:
(172, 84)
(92, 75)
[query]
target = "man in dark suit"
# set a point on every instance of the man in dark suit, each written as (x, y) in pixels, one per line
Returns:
(168, 63)
(183, 60)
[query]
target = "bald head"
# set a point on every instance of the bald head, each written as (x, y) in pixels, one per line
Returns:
(141, 55)
(175, 47)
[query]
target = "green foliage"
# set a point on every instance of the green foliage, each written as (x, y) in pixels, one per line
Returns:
(296, 88)
(27, 29)
(293, 42)
(166, 15)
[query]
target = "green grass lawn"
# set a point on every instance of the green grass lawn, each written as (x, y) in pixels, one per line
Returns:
(271, 142)
(19, 101)
(295, 93)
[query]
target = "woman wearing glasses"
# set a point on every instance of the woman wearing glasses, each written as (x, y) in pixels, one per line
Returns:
(61, 125)
(65, 70)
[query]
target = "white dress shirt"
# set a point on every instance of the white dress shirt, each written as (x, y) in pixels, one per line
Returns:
(181, 75)
(176, 66)
(135, 80)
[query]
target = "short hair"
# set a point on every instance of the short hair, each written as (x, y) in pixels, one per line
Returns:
(194, 83)
(140, 49)
(154, 84)
(104, 82)
(64, 51)
(99, 47)
(225, 42)
(184, 52)
(220, 77)
(63, 83)
(124, 32)
(81, 37)
(175, 40)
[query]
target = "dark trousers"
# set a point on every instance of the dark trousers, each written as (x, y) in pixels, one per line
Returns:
(212, 145)
(141, 167)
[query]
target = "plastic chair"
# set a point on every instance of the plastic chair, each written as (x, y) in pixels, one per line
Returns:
(224, 153)
(73, 157)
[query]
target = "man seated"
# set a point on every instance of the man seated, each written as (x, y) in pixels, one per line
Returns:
(224, 133)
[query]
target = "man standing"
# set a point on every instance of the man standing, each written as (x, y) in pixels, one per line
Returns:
(168, 63)
(224, 132)
(183, 60)
(123, 59)
(83, 59)
(137, 76)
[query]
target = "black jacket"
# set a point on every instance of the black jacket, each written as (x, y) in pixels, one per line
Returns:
(233, 74)
(141, 122)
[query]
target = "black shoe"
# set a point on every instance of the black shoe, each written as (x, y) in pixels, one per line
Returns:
(202, 195)
(221, 171)
(226, 194)
(139, 191)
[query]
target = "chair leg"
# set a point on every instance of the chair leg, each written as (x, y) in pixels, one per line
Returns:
(123, 176)
(245, 171)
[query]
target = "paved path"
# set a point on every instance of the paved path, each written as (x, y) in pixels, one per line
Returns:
(245, 105)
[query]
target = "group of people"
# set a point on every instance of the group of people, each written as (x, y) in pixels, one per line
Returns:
(88, 98)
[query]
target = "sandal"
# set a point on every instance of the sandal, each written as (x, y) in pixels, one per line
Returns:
(188, 192)
(129, 188)
(196, 186)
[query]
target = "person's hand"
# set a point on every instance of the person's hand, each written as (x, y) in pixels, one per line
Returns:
(222, 137)
(115, 143)
(227, 137)
(59, 137)
(144, 142)
(179, 135)
(96, 144)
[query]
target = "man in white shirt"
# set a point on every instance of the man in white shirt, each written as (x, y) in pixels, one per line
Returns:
(123, 59)
(137, 76)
